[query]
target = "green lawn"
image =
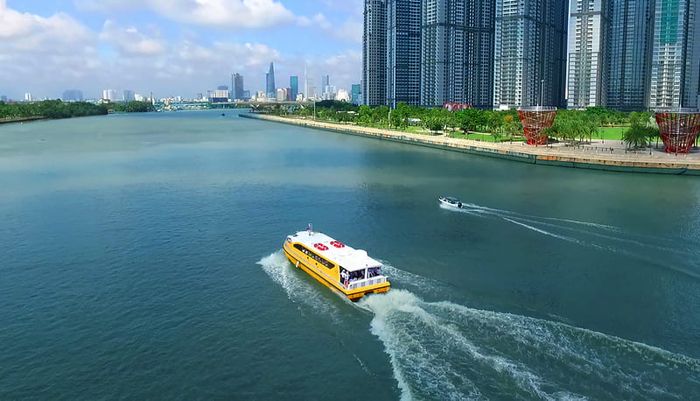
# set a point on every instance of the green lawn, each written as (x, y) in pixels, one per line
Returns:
(610, 133)
(482, 137)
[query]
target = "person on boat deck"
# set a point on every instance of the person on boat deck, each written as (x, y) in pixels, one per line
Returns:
(344, 277)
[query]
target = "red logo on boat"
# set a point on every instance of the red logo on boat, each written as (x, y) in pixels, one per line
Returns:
(320, 247)
(337, 244)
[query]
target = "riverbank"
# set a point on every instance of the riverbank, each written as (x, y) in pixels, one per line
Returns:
(596, 156)
(21, 120)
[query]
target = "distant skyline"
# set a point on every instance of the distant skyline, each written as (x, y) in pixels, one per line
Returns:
(173, 47)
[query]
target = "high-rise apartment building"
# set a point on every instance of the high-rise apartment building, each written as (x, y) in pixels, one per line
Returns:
(629, 59)
(478, 53)
(128, 95)
(72, 95)
(675, 62)
(529, 54)
(293, 87)
(270, 87)
(442, 59)
(237, 85)
(374, 53)
(109, 94)
(587, 55)
(403, 51)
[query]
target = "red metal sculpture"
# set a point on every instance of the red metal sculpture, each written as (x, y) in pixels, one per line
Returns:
(535, 120)
(678, 129)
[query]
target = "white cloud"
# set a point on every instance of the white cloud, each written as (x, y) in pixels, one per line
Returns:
(48, 54)
(231, 14)
(318, 20)
(350, 30)
(130, 40)
(37, 51)
(28, 31)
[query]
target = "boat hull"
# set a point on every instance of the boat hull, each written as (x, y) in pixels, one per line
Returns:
(313, 269)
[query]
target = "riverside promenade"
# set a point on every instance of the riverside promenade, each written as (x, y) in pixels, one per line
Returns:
(597, 156)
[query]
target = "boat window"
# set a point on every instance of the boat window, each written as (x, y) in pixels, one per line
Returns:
(314, 256)
(358, 275)
(374, 272)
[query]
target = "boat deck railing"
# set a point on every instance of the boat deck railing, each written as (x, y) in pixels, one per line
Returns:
(366, 282)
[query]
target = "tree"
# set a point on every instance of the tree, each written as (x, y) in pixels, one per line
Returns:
(639, 136)
(364, 115)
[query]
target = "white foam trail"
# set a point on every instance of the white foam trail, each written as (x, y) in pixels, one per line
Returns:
(501, 212)
(297, 289)
(442, 350)
(622, 251)
(612, 238)
(615, 244)
(408, 279)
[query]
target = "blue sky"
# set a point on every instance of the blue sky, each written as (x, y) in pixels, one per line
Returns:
(173, 47)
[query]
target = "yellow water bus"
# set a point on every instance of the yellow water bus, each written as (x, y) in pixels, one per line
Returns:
(336, 265)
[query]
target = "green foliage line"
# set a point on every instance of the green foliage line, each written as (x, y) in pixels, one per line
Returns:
(55, 109)
(570, 125)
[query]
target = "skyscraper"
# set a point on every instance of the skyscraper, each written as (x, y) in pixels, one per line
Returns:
(586, 84)
(403, 51)
(238, 89)
(478, 53)
(271, 89)
(374, 54)
(356, 94)
(442, 61)
(629, 47)
(529, 54)
(327, 91)
(293, 87)
(72, 95)
(675, 65)
(109, 94)
(128, 95)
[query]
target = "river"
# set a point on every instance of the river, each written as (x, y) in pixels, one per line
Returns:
(140, 259)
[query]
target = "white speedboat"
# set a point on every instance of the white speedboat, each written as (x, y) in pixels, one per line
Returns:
(450, 201)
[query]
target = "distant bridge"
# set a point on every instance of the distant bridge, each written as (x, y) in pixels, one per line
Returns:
(237, 105)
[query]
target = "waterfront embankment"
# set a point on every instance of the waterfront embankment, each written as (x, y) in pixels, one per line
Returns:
(592, 157)
(21, 119)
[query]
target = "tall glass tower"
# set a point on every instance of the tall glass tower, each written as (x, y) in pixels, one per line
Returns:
(237, 85)
(628, 69)
(587, 79)
(271, 89)
(403, 51)
(675, 65)
(293, 87)
(374, 55)
(530, 48)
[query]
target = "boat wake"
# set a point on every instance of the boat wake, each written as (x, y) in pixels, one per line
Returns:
(446, 351)
(298, 291)
(669, 253)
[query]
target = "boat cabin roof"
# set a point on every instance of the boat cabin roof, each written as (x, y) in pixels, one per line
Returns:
(349, 258)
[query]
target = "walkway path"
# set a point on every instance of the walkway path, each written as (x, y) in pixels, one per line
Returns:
(600, 156)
